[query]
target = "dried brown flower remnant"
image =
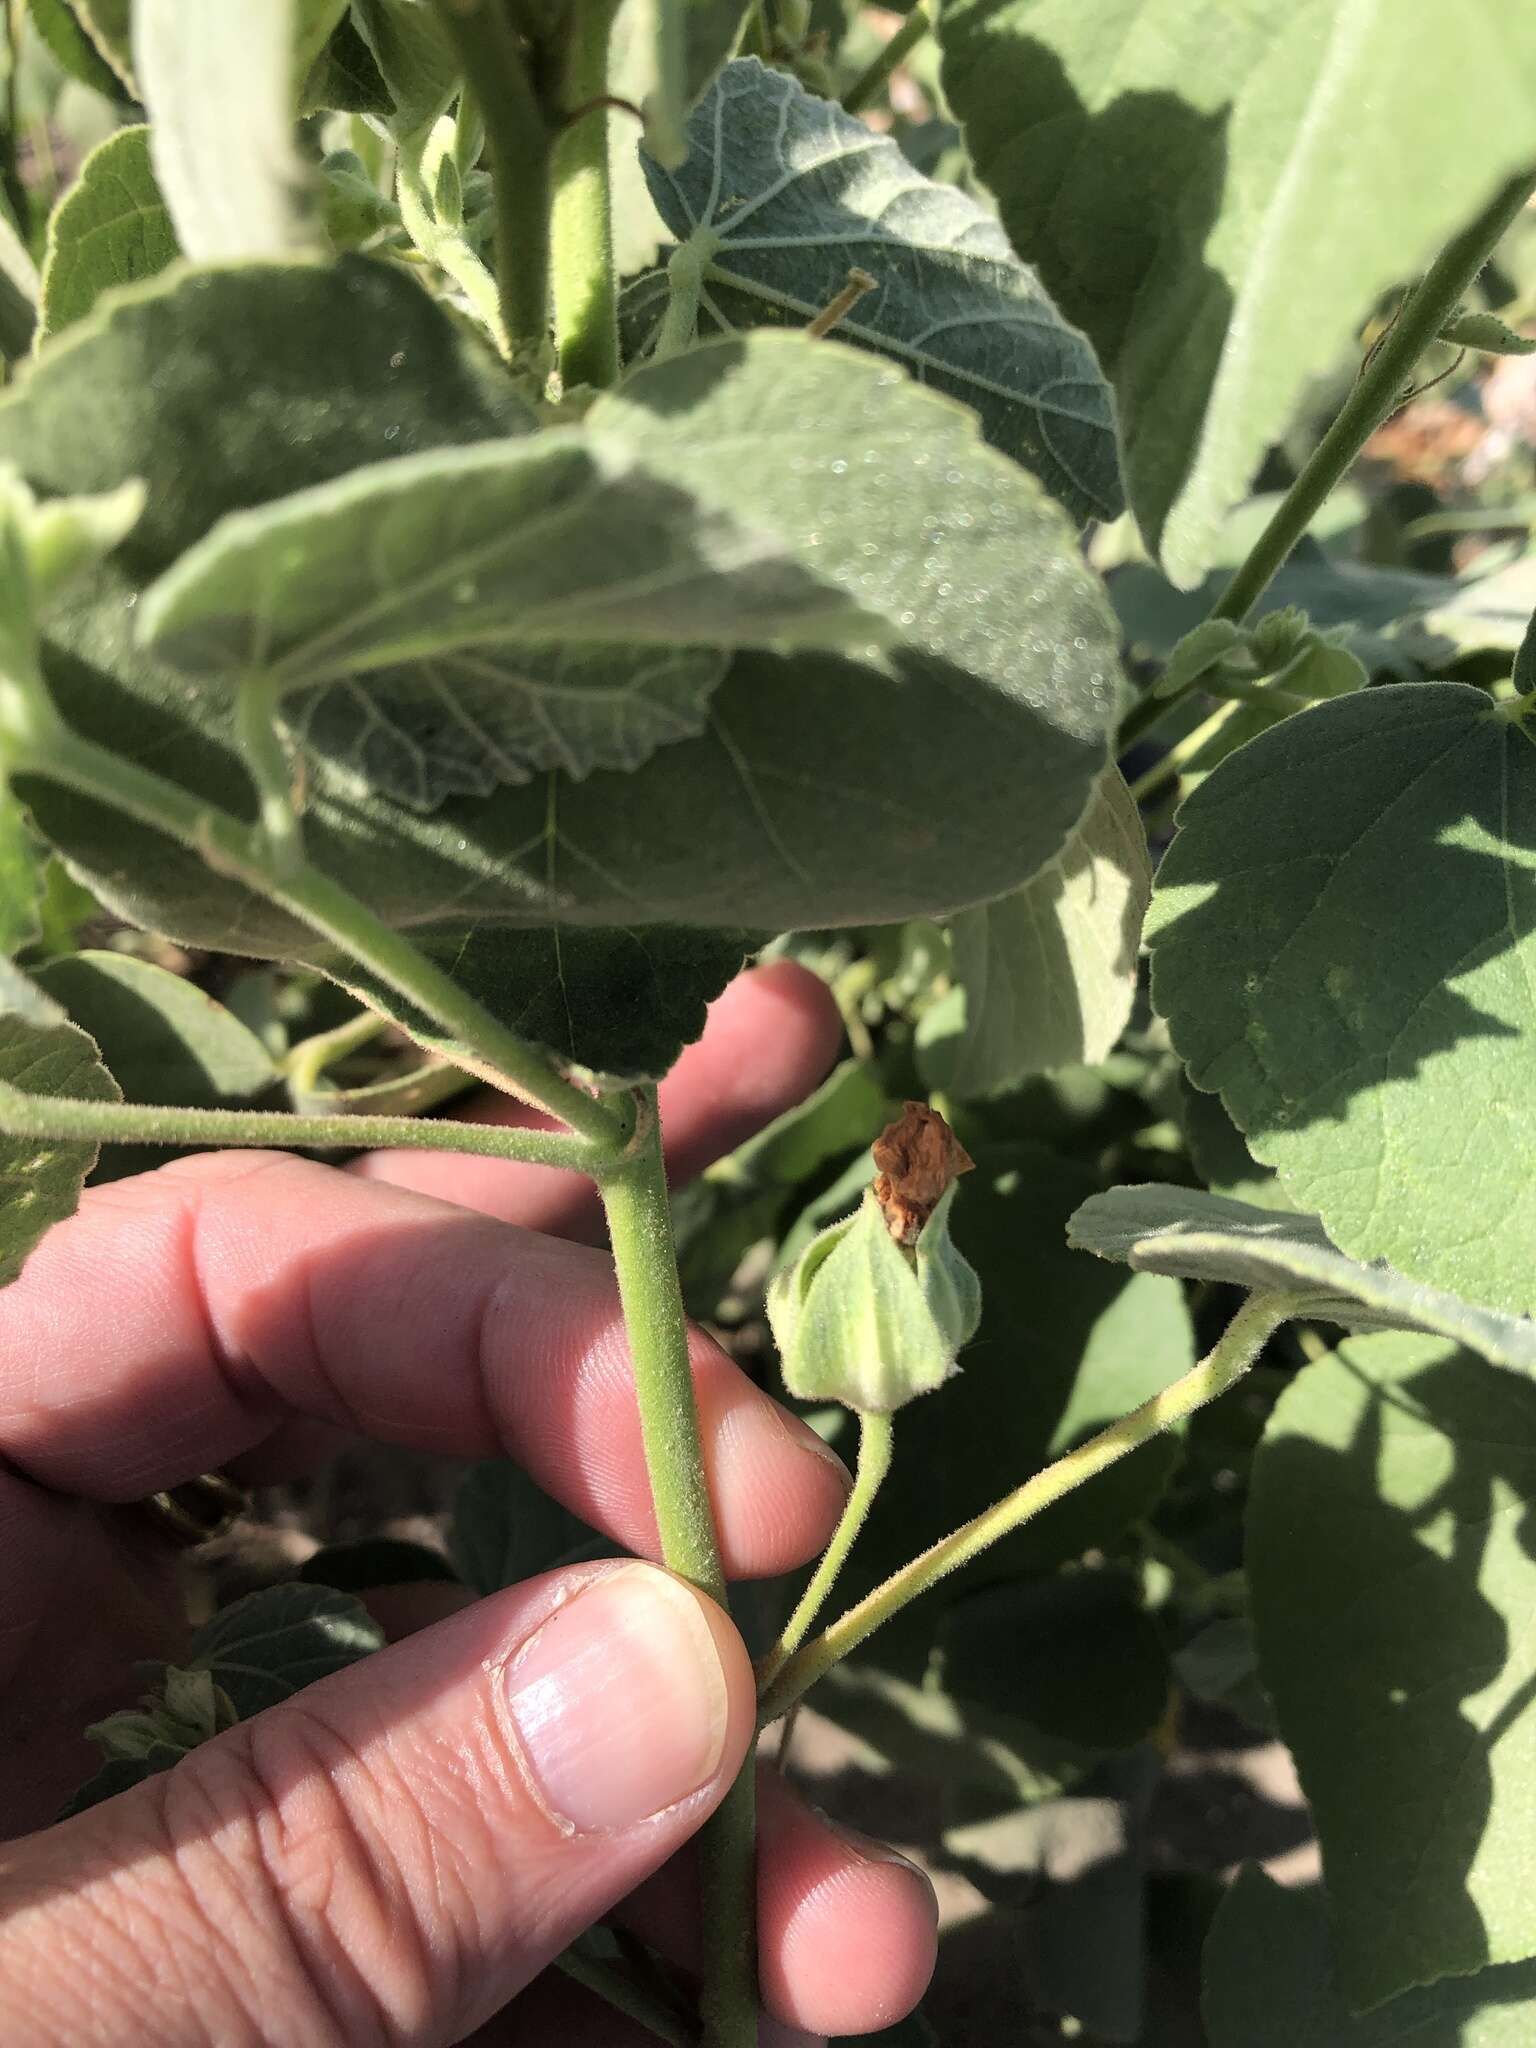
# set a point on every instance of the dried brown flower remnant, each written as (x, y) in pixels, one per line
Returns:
(918, 1157)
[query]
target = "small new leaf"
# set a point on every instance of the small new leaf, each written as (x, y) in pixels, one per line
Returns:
(1486, 331)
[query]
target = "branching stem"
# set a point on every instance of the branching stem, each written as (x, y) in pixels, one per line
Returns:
(1244, 1338)
(1377, 393)
(645, 1257)
(873, 1464)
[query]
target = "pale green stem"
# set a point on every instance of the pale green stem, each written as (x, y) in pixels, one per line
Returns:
(872, 81)
(401, 1095)
(303, 1064)
(685, 288)
(581, 208)
(518, 140)
(127, 1123)
(1245, 1336)
(874, 1461)
(58, 755)
(645, 1258)
(1378, 392)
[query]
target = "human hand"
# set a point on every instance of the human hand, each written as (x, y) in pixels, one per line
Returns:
(398, 1853)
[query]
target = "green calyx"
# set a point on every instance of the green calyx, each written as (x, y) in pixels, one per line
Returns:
(871, 1323)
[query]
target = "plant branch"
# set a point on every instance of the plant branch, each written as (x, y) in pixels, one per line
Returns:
(874, 1462)
(873, 79)
(581, 212)
(518, 139)
(625, 1996)
(127, 1123)
(645, 1258)
(1244, 1338)
(233, 848)
(1377, 394)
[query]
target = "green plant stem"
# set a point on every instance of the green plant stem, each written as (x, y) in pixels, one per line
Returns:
(303, 1064)
(874, 1461)
(645, 1258)
(407, 1094)
(625, 1996)
(1241, 1343)
(127, 1123)
(581, 209)
(442, 245)
(35, 742)
(1377, 394)
(872, 81)
(518, 140)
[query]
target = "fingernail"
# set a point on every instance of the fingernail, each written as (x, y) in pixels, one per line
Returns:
(620, 1702)
(758, 1429)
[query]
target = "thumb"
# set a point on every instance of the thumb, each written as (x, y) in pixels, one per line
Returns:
(391, 1855)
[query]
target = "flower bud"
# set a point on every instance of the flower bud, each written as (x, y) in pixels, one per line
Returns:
(876, 1308)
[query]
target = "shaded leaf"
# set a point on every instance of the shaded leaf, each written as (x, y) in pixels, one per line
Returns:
(264, 1648)
(121, 1774)
(782, 194)
(1075, 1656)
(164, 1040)
(1270, 1983)
(57, 25)
(1213, 300)
(1390, 1559)
(505, 1529)
(111, 228)
(1197, 1236)
(943, 772)
(109, 24)
(1344, 945)
(621, 1002)
(1488, 332)
(218, 83)
(414, 57)
(41, 1053)
(1045, 977)
(1219, 1155)
(376, 1561)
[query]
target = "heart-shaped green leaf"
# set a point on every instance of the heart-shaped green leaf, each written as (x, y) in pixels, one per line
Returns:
(1198, 1236)
(1344, 945)
(163, 1038)
(264, 1647)
(781, 194)
(1389, 1555)
(41, 1053)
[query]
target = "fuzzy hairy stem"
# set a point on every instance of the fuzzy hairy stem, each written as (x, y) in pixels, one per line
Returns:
(1244, 1338)
(242, 852)
(645, 1257)
(874, 1462)
(581, 212)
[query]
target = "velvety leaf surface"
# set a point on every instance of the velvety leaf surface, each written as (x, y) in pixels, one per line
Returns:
(41, 1053)
(68, 43)
(623, 1003)
(1199, 1236)
(1270, 1983)
(263, 1648)
(1212, 297)
(1045, 977)
(111, 228)
(815, 803)
(414, 56)
(218, 83)
(1344, 945)
(1391, 1563)
(127, 394)
(781, 194)
(164, 1040)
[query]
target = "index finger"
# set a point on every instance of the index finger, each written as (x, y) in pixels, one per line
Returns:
(180, 1318)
